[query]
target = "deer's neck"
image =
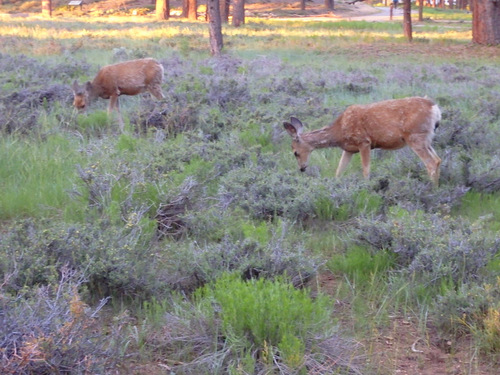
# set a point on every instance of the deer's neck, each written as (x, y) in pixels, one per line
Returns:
(324, 137)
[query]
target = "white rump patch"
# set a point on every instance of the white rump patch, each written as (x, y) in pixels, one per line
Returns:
(436, 114)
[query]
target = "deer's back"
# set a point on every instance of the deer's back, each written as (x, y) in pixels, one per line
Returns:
(386, 124)
(129, 78)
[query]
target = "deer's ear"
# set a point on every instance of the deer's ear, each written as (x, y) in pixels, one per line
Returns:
(294, 127)
(290, 129)
(88, 86)
(297, 124)
(75, 86)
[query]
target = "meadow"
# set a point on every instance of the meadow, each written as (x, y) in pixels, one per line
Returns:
(192, 244)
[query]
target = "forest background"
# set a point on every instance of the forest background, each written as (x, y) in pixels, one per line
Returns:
(191, 243)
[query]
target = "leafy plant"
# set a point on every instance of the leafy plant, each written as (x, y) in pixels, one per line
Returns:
(268, 324)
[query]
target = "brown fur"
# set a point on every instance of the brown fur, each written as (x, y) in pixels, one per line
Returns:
(389, 125)
(126, 78)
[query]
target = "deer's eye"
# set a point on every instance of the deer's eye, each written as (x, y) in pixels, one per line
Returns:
(296, 154)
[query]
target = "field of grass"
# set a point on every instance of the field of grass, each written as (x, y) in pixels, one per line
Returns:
(191, 243)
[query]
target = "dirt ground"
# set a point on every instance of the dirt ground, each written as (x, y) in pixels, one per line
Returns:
(405, 348)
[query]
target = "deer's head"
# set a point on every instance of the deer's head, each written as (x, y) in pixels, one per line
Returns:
(301, 149)
(81, 95)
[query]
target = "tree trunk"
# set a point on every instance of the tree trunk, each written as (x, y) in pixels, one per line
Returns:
(238, 12)
(214, 27)
(486, 22)
(302, 4)
(185, 8)
(192, 10)
(162, 9)
(421, 10)
(407, 20)
(329, 4)
(224, 10)
(47, 8)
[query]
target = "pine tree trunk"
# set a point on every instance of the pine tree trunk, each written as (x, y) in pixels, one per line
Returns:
(238, 12)
(486, 22)
(214, 27)
(224, 10)
(193, 10)
(47, 8)
(162, 9)
(407, 20)
(329, 4)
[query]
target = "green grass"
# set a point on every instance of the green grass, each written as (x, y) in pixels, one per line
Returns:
(483, 209)
(447, 14)
(36, 177)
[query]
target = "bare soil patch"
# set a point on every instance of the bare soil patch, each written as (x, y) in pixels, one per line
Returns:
(403, 348)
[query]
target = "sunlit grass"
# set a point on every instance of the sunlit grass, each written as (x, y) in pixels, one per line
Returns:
(447, 14)
(109, 32)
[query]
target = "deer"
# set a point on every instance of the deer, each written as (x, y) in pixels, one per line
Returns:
(126, 78)
(387, 125)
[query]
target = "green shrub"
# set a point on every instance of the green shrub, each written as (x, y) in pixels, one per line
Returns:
(262, 311)
(255, 326)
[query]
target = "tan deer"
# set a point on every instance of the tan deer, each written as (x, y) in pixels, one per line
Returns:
(125, 78)
(388, 125)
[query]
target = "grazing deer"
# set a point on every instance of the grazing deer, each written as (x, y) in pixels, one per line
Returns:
(126, 78)
(388, 125)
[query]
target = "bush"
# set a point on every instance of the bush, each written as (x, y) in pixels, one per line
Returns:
(244, 248)
(111, 258)
(51, 330)
(266, 194)
(431, 247)
(262, 312)
(256, 326)
(471, 309)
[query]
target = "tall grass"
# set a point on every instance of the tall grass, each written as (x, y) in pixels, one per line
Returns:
(37, 176)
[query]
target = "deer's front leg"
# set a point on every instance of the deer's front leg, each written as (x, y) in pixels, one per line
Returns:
(344, 161)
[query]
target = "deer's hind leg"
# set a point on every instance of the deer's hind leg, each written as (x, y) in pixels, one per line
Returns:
(365, 150)
(421, 146)
(114, 104)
